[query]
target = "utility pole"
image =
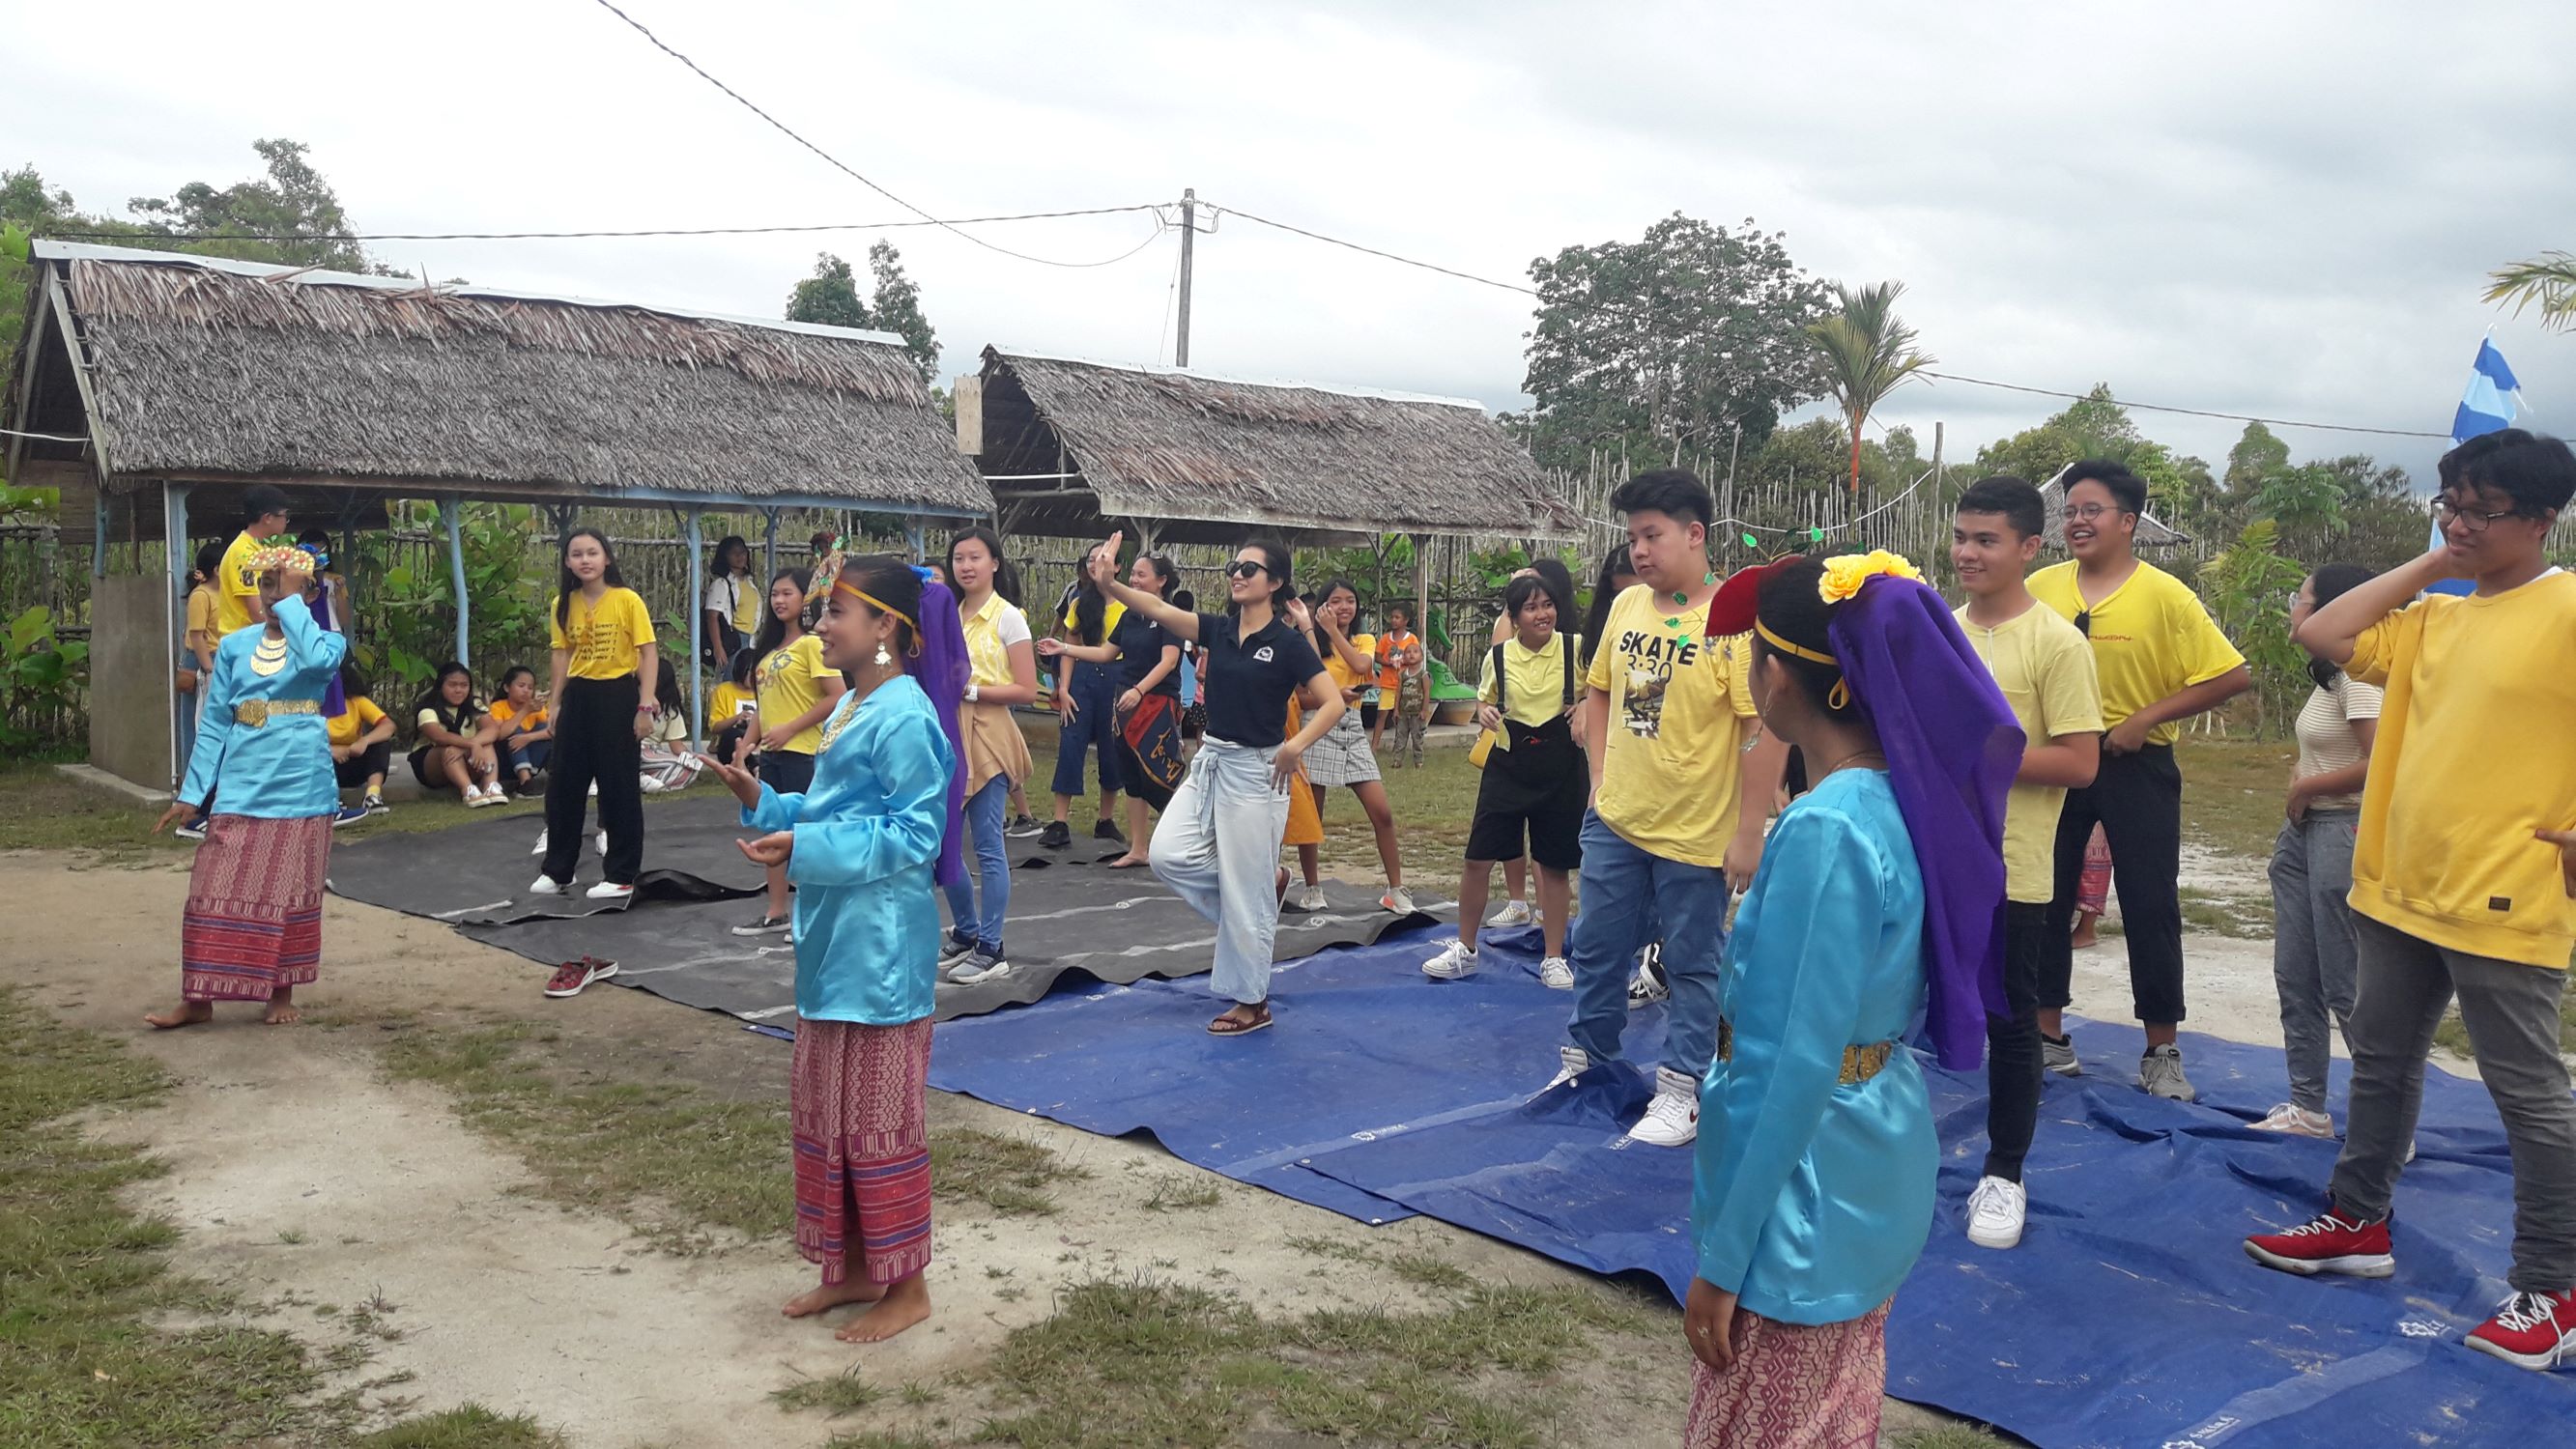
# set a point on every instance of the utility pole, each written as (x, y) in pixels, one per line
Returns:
(1189, 234)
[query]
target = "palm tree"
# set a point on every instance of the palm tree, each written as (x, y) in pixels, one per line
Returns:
(2548, 279)
(1869, 352)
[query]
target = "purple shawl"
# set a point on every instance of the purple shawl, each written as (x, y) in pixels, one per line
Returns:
(942, 672)
(1952, 749)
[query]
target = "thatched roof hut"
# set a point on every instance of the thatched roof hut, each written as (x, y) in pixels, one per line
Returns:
(2152, 533)
(1074, 448)
(204, 369)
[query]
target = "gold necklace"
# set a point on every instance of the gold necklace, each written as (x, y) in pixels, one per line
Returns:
(268, 657)
(848, 711)
(1847, 759)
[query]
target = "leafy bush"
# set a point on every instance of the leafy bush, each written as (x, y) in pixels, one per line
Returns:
(41, 680)
(2248, 590)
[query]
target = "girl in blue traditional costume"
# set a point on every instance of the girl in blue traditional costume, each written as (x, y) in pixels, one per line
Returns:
(866, 847)
(253, 927)
(1881, 887)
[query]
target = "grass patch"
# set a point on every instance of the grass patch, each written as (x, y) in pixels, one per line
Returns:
(843, 1393)
(1946, 1436)
(2232, 791)
(2245, 917)
(1007, 1174)
(469, 1427)
(2454, 1033)
(1180, 1192)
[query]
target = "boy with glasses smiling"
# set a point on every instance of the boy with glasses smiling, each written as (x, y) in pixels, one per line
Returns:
(2464, 874)
(2161, 660)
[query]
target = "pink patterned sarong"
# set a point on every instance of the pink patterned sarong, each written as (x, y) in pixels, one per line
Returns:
(857, 1096)
(1793, 1386)
(253, 922)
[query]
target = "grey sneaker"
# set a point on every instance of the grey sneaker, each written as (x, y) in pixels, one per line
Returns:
(2057, 1054)
(979, 967)
(2160, 1072)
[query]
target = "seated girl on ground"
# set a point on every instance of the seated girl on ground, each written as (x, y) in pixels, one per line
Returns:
(362, 745)
(729, 711)
(520, 729)
(449, 749)
(668, 763)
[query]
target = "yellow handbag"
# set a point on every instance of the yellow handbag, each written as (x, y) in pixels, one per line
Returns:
(1483, 749)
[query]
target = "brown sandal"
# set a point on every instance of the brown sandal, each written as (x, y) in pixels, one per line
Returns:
(1230, 1024)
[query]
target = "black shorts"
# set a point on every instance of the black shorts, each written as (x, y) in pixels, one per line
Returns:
(1534, 803)
(1368, 713)
(789, 772)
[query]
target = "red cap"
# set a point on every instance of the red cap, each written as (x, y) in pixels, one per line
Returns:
(1730, 610)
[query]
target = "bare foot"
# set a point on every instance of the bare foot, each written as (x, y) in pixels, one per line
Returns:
(186, 1013)
(281, 1009)
(833, 1295)
(2084, 939)
(1129, 861)
(903, 1305)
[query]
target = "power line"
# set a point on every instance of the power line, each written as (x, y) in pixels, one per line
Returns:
(1945, 376)
(391, 236)
(838, 165)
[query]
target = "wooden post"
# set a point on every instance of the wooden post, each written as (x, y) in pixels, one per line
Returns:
(697, 625)
(1189, 235)
(456, 576)
(770, 565)
(1422, 588)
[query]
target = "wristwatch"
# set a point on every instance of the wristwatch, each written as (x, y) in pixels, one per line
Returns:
(972, 693)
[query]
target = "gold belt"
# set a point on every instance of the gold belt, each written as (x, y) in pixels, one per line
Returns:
(1860, 1063)
(256, 712)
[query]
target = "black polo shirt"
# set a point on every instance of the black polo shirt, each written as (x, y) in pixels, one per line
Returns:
(1249, 680)
(1140, 644)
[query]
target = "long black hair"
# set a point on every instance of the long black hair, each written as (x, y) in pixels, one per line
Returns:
(1790, 606)
(1560, 586)
(718, 567)
(1282, 567)
(210, 562)
(1605, 592)
(892, 581)
(570, 585)
(2330, 583)
(1323, 596)
(1090, 605)
(773, 629)
(456, 718)
(1164, 571)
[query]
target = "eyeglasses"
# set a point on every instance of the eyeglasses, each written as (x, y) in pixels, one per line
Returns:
(2092, 511)
(2470, 520)
(1244, 568)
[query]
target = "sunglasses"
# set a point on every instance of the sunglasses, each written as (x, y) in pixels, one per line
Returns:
(1244, 568)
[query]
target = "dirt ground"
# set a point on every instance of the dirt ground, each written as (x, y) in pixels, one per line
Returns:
(302, 1176)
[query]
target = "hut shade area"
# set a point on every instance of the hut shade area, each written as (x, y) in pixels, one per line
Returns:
(1074, 448)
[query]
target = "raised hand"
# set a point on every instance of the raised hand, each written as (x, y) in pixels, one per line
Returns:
(745, 788)
(772, 849)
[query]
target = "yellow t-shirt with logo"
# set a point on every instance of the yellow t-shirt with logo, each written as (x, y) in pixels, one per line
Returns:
(236, 585)
(728, 702)
(605, 641)
(2045, 670)
(1343, 675)
(1535, 681)
(360, 717)
(1681, 713)
(2152, 639)
(2471, 758)
(791, 682)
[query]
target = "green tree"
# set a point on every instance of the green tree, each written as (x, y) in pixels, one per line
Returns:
(291, 200)
(2247, 589)
(2258, 455)
(1817, 454)
(2547, 281)
(829, 298)
(2180, 489)
(1868, 352)
(1669, 343)
(2306, 505)
(898, 309)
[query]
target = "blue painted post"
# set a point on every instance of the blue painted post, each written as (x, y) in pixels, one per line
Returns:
(697, 623)
(174, 518)
(456, 576)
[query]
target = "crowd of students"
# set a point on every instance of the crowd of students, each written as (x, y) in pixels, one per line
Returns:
(1837, 815)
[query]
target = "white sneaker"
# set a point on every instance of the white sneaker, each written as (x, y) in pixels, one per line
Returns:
(1995, 1212)
(979, 967)
(541, 844)
(2298, 1121)
(1556, 973)
(1576, 1061)
(1672, 1119)
(546, 885)
(1311, 899)
(1513, 913)
(1455, 960)
(609, 890)
(1398, 900)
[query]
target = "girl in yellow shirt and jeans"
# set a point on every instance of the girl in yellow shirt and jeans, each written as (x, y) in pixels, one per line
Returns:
(605, 669)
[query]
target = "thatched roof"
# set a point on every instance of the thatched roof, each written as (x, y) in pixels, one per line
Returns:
(206, 367)
(1207, 457)
(2151, 532)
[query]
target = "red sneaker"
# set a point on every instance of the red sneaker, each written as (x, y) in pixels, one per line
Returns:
(2330, 1243)
(2531, 1330)
(572, 976)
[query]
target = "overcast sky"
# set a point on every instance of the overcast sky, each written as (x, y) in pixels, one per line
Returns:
(2283, 209)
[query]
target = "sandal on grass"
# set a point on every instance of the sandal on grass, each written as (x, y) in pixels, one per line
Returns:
(1230, 1024)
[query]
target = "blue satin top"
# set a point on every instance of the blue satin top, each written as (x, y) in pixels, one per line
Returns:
(279, 769)
(867, 839)
(1811, 1199)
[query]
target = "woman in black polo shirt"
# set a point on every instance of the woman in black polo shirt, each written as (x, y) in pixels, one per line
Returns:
(1219, 842)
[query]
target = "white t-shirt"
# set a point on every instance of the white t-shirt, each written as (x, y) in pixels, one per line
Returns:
(2326, 740)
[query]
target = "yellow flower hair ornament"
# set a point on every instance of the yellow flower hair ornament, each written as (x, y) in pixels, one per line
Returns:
(1844, 575)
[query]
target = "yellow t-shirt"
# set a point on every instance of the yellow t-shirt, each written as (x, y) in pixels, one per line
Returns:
(2152, 640)
(2472, 757)
(1681, 712)
(1537, 680)
(990, 632)
(1109, 617)
(791, 682)
(1343, 675)
(203, 607)
(360, 717)
(507, 713)
(236, 585)
(750, 601)
(2045, 670)
(605, 642)
(727, 703)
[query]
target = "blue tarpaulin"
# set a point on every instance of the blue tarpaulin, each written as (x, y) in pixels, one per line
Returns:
(2128, 1316)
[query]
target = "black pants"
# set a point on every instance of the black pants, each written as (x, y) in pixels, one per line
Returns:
(2137, 800)
(595, 740)
(2013, 1070)
(372, 761)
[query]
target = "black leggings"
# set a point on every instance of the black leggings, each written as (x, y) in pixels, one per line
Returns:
(2137, 800)
(595, 740)
(2013, 1061)
(368, 763)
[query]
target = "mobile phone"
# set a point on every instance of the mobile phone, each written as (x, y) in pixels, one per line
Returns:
(746, 706)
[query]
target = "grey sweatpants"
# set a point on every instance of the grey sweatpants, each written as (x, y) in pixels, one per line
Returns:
(2312, 950)
(2511, 1011)
(1217, 847)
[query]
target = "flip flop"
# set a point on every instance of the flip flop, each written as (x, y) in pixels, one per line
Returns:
(1231, 1025)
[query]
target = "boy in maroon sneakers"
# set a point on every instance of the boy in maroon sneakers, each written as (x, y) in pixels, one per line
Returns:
(2464, 880)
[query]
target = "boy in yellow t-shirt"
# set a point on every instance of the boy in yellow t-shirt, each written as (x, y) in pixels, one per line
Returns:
(237, 604)
(2464, 878)
(2045, 670)
(1679, 801)
(2161, 660)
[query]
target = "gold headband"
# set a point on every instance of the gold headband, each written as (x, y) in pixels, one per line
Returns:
(873, 602)
(1785, 647)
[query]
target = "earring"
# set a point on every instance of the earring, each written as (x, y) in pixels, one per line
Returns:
(883, 658)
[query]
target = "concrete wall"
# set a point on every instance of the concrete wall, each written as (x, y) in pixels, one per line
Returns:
(131, 659)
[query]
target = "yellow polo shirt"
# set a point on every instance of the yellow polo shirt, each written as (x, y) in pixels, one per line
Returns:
(2045, 670)
(360, 717)
(2472, 757)
(791, 682)
(2152, 639)
(606, 640)
(236, 585)
(1681, 713)
(1535, 681)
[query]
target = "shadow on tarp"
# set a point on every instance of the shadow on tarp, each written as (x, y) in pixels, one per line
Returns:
(477, 873)
(2128, 1316)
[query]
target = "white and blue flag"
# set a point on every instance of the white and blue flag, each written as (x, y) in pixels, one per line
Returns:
(2492, 402)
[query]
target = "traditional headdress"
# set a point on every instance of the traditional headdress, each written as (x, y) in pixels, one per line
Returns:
(1952, 747)
(280, 556)
(938, 662)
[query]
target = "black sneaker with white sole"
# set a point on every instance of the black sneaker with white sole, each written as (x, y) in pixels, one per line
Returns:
(1056, 836)
(766, 925)
(1103, 830)
(1022, 827)
(954, 948)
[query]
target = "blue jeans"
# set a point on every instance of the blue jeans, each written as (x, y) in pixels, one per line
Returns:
(1628, 893)
(530, 756)
(1094, 691)
(986, 811)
